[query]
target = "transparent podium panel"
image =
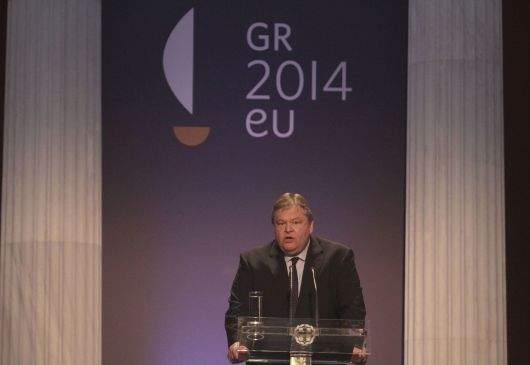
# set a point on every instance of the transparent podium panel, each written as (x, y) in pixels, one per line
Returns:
(281, 340)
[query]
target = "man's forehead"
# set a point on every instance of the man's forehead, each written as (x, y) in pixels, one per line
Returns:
(290, 212)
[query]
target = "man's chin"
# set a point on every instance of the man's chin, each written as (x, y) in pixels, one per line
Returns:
(290, 249)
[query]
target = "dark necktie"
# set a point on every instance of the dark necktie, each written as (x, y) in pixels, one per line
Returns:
(294, 286)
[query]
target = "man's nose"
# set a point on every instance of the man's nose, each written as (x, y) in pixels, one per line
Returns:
(288, 227)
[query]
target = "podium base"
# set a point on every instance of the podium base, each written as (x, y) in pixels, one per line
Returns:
(300, 360)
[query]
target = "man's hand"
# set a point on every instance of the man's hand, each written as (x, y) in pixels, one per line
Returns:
(359, 356)
(237, 353)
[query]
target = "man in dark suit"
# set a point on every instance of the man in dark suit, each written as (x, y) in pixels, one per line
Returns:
(294, 250)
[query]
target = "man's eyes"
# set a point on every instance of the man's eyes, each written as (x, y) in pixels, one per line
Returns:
(291, 222)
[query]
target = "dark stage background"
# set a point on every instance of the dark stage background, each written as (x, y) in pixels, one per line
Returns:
(175, 218)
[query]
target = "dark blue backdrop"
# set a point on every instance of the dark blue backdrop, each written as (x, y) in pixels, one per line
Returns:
(176, 217)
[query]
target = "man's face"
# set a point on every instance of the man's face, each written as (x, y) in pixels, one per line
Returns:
(292, 229)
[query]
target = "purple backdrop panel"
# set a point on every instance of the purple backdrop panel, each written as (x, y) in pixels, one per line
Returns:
(211, 110)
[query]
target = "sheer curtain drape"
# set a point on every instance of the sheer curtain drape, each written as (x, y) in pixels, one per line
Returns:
(455, 308)
(50, 270)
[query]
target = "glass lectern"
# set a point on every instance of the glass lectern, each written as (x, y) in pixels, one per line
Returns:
(302, 340)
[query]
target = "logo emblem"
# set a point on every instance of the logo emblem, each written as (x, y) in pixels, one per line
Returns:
(304, 334)
(178, 65)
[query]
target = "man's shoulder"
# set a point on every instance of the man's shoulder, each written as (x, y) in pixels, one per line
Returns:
(260, 251)
(331, 246)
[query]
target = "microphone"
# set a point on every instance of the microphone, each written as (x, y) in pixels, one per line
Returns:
(290, 295)
(316, 294)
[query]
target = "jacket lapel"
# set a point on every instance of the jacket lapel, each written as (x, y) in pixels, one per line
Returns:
(313, 259)
(279, 270)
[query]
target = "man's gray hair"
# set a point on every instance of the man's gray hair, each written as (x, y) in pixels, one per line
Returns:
(287, 200)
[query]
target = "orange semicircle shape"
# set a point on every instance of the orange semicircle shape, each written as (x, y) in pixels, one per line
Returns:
(191, 136)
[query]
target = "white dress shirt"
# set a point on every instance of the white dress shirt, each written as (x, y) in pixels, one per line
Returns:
(299, 265)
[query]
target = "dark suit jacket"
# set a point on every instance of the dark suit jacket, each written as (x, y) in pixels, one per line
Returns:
(263, 268)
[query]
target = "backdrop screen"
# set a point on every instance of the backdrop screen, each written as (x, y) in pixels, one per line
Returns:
(211, 110)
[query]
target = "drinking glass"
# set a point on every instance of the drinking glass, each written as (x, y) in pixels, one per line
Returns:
(255, 306)
(255, 303)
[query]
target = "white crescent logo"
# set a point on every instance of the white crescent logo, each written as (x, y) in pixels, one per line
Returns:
(178, 62)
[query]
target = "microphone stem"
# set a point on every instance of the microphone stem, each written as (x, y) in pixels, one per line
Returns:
(316, 295)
